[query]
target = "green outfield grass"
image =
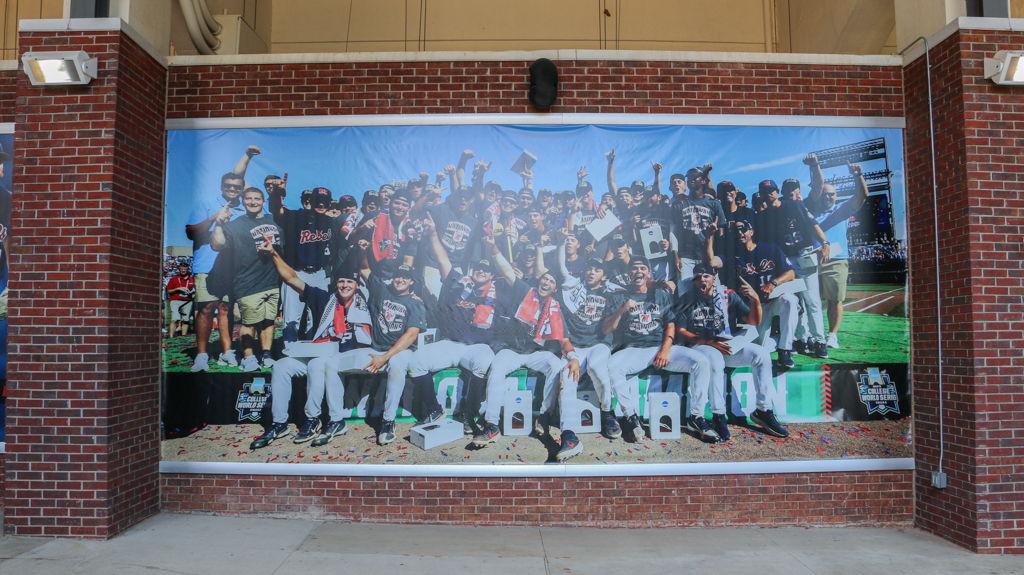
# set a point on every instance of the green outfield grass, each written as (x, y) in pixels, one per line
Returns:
(867, 337)
(875, 287)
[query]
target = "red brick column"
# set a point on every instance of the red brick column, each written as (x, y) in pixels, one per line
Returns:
(84, 351)
(978, 128)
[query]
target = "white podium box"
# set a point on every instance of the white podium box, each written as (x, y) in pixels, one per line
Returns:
(301, 349)
(431, 435)
(665, 408)
(585, 416)
(517, 403)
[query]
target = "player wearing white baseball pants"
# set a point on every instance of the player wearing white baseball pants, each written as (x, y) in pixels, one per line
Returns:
(593, 360)
(750, 355)
(505, 362)
(353, 361)
(439, 355)
(281, 389)
(786, 307)
(291, 302)
(811, 321)
(633, 360)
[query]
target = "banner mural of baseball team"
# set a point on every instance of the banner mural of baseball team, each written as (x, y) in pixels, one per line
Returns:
(485, 294)
(6, 146)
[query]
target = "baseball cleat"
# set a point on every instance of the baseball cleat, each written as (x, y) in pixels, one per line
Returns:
(766, 419)
(610, 426)
(636, 429)
(571, 446)
(489, 433)
(786, 358)
(201, 363)
(720, 424)
(275, 431)
(541, 425)
(309, 429)
(700, 426)
(820, 350)
(267, 361)
(333, 428)
(434, 416)
(387, 432)
(799, 346)
(250, 363)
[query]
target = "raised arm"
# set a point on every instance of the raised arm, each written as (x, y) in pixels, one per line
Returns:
(562, 236)
(539, 268)
(611, 171)
(657, 176)
(444, 264)
(218, 240)
(460, 170)
(861, 194)
(277, 194)
(504, 268)
(817, 180)
(288, 275)
(611, 323)
(243, 164)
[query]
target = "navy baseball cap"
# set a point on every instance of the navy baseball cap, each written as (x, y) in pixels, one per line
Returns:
(404, 271)
(703, 268)
(544, 193)
(617, 242)
(510, 195)
(492, 185)
(402, 195)
(347, 274)
(347, 202)
(526, 192)
(790, 185)
(694, 172)
(322, 194)
(484, 265)
(371, 196)
(639, 260)
(636, 186)
(595, 263)
(725, 187)
(306, 195)
(767, 186)
(649, 191)
(583, 188)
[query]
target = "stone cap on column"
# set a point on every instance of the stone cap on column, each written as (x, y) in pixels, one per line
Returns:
(963, 23)
(92, 25)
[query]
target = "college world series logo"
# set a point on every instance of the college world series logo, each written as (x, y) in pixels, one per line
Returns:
(251, 399)
(878, 392)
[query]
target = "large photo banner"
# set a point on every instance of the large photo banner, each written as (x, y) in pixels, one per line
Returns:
(6, 147)
(509, 295)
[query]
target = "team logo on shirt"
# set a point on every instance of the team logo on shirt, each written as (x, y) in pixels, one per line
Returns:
(592, 309)
(269, 230)
(391, 318)
(645, 319)
(456, 236)
(310, 236)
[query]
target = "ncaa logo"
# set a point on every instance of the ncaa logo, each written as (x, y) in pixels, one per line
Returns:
(664, 404)
(519, 400)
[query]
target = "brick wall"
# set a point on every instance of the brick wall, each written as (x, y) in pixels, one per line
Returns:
(585, 87)
(873, 498)
(978, 131)
(500, 87)
(83, 353)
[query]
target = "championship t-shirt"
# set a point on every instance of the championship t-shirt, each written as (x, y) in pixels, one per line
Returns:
(583, 310)
(515, 334)
(392, 315)
(644, 325)
(689, 217)
(709, 317)
(454, 231)
(758, 267)
(458, 304)
(254, 272)
(203, 255)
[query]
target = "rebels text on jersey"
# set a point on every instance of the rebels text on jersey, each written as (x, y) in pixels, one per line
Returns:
(761, 265)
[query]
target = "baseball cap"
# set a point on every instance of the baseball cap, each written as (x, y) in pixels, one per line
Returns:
(544, 193)
(402, 195)
(740, 196)
(526, 192)
(306, 195)
(694, 172)
(347, 274)
(595, 263)
(725, 187)
(386, 187)
(322, 194)
(703, 268)
(428, 188)
(4, 156)
(742, 225)
(677, 177)
(639, 260)
(347, 202)
(492, 185)
(617, 242)
(758, 198)
(767, 186)
(790, 185)
(484, 265)
(415, 181)
(509, 194)
(404, 271)
(649, 191)
(583, 188)
(636, 186)
(371, 196)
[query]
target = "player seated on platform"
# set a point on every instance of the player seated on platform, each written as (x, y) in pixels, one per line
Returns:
(342, 317)
(765, 267)
(709, 319)
(644, 326)
(585, 304)
(464, 336)
(534, 339)
(397, 318)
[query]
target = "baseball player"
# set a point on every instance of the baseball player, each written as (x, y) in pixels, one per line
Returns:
(394, 238)
(534, 338)
(586, 302)
(342, 317)
(308, 234)
(455, 224)
(790, 226)
(644, 325)
(765, 267)
(709, 317)
(692, 216)
(467, 328)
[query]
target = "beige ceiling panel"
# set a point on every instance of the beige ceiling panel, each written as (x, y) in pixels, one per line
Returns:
(311, 21)
(382, 46)
(692, 46)
(381, 20)
(690, 21)
(516, 20)
(52, 9)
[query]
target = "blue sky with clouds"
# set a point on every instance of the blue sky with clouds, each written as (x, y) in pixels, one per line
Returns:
(351, 160)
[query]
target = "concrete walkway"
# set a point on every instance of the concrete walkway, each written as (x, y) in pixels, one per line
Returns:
(226, 545)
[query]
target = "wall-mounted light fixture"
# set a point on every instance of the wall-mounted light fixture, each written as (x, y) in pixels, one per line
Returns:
(1004, 68)
(60, 68)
